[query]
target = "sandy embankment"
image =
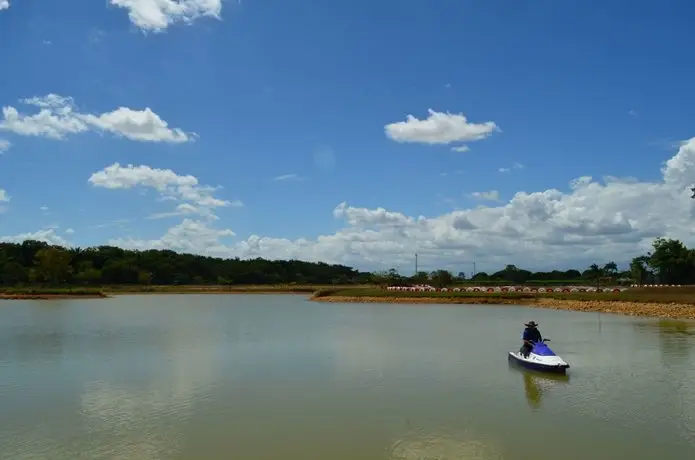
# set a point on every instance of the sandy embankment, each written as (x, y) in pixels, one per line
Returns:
(657, 310)
(50, 296)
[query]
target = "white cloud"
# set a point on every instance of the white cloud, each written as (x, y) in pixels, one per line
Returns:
(4, 196)
(188, 236)
(594, 221)
(514, 166)
(58, 117)
(440, 128)
(193, 197)
(286, 177)
(69, 231)
(461, 148)
(47, 234)
(157, 15)
(4, 4)
(138, 125)
(4, 145)
(492, 195)
(43, 208)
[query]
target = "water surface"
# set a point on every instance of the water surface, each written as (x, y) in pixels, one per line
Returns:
(214, 377)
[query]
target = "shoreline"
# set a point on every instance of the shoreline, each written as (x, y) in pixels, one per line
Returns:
(618, 307)
(110, 294)
(627, 307)
(39, 296)
(110, 291)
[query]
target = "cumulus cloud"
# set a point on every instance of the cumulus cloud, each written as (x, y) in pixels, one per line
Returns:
(4, 145)
(4, 4)
(188, 236)
(4, 196)
(193, 197)
(157, 15)
(440, 128)
(593, 221)
(59, 117)
(47, 235)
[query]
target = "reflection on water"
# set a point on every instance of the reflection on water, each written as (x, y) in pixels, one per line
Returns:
(276, 377)
(419, 447)
(537, 384)
(677, 340)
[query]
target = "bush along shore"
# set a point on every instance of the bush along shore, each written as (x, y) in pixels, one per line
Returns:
(677, 303)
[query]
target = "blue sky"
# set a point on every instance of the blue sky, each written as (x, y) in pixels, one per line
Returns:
(267, 88)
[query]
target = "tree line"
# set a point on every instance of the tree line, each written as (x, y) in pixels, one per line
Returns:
(669, 262)
(511, 274)
(36, 262)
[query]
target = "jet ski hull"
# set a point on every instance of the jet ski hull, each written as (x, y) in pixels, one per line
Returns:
(537, 364)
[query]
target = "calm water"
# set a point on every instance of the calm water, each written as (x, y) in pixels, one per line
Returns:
(277, 377)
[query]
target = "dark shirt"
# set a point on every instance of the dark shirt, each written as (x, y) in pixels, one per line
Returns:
(532, 335)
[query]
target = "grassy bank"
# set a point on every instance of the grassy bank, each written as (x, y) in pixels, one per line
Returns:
(654, 302)
(37, 292)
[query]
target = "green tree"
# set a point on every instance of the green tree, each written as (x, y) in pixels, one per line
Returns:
(53, 264)
(441, 278)
(481, 277)
(421, 278)
(639, 269)
(145, 277)
(672, 261)
(594, 273)
(610, 269)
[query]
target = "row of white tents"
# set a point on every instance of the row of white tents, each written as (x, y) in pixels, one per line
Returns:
(657, 285)
(490, 289)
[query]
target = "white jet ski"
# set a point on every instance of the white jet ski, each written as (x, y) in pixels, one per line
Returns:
(541, 358)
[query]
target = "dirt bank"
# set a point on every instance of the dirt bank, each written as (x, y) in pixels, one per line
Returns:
(50, 296)
(656, 310)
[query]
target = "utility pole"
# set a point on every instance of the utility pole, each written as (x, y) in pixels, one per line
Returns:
(416, 264)
(474, 268)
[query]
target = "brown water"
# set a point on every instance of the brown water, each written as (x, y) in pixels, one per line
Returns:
(277, 377)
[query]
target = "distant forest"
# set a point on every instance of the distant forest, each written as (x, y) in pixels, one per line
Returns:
(36, 262)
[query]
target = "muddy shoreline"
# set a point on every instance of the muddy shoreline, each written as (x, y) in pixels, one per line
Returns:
(51, 296)
(653, 310)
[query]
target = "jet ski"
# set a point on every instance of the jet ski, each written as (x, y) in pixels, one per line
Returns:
(541, 358)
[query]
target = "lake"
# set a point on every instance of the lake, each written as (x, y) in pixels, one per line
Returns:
(219, 377)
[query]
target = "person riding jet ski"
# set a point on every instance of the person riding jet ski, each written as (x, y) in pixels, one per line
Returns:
(530, 336)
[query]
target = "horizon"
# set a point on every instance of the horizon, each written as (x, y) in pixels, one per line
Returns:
(402, 273)
(547, 136)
